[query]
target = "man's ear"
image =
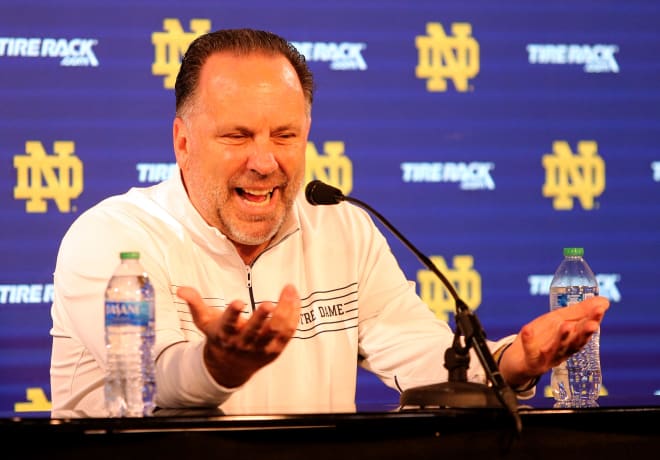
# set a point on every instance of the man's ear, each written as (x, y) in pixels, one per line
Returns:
(180, 141)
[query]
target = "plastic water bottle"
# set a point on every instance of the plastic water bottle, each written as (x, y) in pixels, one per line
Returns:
(576, 382)
(130, 383)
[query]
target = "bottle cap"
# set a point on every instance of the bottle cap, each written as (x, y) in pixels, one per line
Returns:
(129, 255)
(573, 252)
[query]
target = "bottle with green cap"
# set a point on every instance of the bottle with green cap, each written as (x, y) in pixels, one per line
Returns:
(130, 383)
(576, 382)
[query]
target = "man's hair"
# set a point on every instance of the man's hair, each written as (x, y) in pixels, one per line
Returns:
(240, 42)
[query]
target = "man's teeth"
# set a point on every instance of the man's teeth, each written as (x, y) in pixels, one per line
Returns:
(258, 192)
(258, 197)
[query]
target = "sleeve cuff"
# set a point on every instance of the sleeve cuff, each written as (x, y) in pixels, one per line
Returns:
(524, 388)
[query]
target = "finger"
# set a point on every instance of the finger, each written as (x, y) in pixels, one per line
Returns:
(599, 302)
(583, 332)
(590, 321)
(211, 320)
(557, 346)
(230, 321)
(265, 337)
(596, 307)
(278, 330)
(287, 313)
(593, 307)
(571, 341)
(590, 327)
(600, 305)
(575, 336)
(258, 322)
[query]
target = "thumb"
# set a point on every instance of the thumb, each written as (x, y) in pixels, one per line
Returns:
(201, 313)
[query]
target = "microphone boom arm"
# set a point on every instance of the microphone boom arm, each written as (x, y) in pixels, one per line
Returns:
(467, 322)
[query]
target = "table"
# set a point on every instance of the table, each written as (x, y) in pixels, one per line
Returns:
(604, 432)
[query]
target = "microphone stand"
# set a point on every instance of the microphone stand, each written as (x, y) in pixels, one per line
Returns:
(457, 391)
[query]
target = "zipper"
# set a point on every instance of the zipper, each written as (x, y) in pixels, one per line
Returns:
(248, 269)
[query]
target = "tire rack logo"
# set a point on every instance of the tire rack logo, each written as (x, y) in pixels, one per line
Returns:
(169, 47)
(76, 52)
(569, 176)
(342, 56)
(40, 177)
(465, 279)
(595, 59)
(539, 285)
(655, 167)
(442, 57)
(26, 293)
(470, 176)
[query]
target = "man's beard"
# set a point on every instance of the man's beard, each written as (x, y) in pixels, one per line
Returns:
(239, 236)
(237, 229)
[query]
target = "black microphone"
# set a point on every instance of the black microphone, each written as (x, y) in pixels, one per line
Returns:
(457, 392)
(318, 192)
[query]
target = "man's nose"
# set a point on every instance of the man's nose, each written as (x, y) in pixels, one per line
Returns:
(262, 160)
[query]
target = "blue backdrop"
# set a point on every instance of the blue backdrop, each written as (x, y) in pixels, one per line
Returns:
(492, 134)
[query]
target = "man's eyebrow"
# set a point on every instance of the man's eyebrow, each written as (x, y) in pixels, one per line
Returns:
(287, 127)
(239, 128)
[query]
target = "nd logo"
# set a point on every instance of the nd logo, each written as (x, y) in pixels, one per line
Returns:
(40, 177)
(569, 176)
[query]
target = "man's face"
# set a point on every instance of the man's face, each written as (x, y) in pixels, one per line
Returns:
(241, 147)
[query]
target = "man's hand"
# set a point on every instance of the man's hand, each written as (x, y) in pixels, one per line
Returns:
(237, 347)
(550, 339)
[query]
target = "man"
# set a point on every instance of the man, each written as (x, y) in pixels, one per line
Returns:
(264, 303)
